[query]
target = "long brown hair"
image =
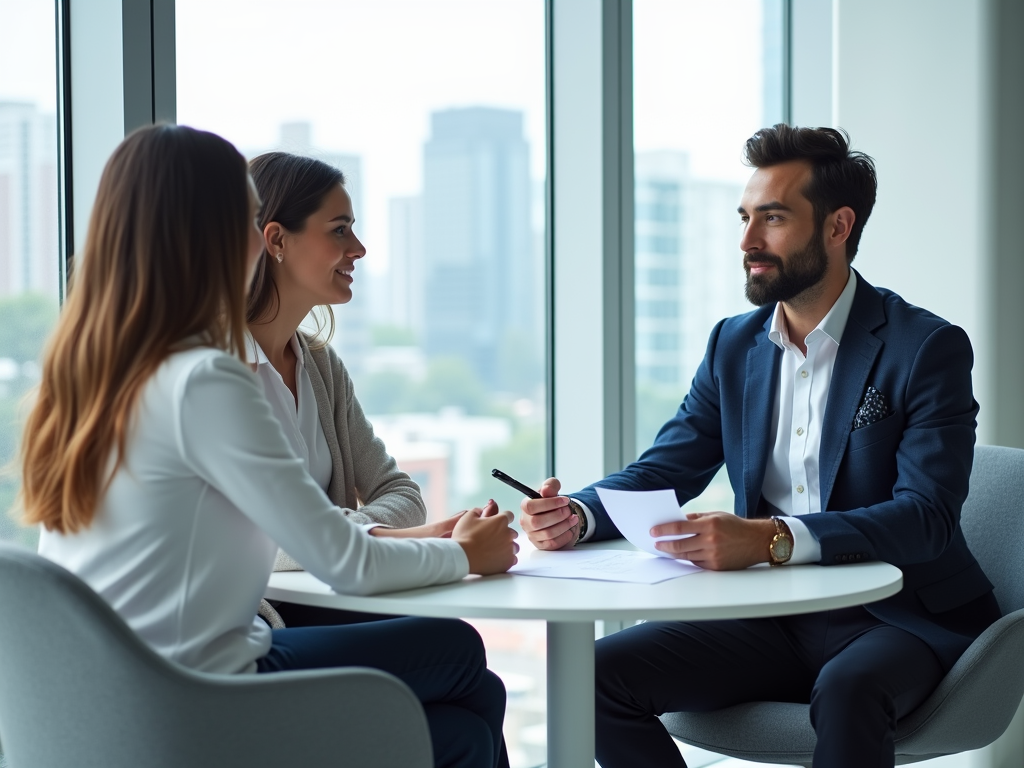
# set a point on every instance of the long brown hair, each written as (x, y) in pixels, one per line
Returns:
(292, 188)
(163, 266)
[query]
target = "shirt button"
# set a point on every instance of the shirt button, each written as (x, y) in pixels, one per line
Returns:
(799, 489)
(803, 374)
(799, 431)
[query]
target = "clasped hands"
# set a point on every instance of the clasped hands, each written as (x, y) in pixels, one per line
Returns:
(482, 532)
(720, 541)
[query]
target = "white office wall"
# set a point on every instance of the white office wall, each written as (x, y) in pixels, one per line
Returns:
(909, 87)
(931, 89)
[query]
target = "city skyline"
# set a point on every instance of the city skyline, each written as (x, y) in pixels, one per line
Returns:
(479, 263)
(28, 200)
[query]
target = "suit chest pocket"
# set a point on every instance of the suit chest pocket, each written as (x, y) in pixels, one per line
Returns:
(888, 430)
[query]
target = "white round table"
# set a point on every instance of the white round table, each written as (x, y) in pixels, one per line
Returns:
(570, 607)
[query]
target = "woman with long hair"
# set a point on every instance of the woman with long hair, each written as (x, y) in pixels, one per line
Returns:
(309, 261)
(161, 477)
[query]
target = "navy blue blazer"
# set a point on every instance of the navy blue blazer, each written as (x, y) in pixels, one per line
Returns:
(891, 491)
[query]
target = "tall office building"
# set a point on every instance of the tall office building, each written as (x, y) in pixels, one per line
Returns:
(688, 266)
(28, 201)
(477, 243)
(406, 267)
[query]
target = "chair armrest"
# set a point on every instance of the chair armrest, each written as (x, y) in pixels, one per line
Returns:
(975, 702)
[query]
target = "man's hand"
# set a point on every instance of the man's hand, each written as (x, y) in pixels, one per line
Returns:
(721, 541)
(548, 521)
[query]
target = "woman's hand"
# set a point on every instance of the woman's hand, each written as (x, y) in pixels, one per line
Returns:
(440, 529)
(487, 539)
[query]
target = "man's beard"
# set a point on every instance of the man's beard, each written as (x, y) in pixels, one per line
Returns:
(803, 269)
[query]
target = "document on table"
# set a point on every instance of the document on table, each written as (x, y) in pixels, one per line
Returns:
(636, 512)
(603, 565)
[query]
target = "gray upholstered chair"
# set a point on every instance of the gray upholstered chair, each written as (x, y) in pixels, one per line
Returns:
(78, 687)
(975, 702)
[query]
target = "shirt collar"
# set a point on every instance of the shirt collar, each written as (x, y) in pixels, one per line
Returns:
(254, 354)
(832, 324)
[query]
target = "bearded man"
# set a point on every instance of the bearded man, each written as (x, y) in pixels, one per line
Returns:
(846, 420)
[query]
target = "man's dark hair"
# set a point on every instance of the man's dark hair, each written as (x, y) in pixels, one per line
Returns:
(840, 176)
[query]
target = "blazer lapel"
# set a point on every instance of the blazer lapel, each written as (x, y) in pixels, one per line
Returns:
(758, 398)
(858, 350)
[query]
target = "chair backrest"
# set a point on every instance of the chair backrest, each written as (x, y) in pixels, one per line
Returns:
(59, 644)
(78, 687)
(993, 520)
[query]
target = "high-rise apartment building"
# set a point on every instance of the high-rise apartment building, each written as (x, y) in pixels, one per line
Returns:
(688, 266)
(28, 201)
(478, 254)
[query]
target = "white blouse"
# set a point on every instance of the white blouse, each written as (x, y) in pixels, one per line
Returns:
(298, 415)
(183, 541)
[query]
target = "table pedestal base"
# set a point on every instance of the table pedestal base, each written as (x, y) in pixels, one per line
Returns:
(570, 694)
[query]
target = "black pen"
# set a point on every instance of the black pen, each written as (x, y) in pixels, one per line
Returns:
(523, 489)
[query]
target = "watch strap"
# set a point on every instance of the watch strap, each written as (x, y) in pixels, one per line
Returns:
(582, 526)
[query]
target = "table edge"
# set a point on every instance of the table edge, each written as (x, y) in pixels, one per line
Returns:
(378, 604)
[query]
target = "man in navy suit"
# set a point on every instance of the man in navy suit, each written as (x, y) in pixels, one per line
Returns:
(846, 420)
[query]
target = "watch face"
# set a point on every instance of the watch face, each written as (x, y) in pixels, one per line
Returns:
(782, 548)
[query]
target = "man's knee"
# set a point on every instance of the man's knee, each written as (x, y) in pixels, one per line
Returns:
(614, 656)
(844, 689)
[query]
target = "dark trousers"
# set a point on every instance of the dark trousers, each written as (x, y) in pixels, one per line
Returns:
(296, 615)
(441, 660)
(858, 674)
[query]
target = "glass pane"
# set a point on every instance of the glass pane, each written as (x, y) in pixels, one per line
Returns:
(29, 254)
(706, 76)
(435, 112)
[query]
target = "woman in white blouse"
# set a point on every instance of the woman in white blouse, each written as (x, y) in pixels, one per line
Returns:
(161, 477)
(309, 260)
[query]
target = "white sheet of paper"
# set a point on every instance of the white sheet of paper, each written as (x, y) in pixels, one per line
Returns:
(636, 512)
(603, 565)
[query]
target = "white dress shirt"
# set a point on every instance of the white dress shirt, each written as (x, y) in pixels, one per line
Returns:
(183, 541)
(791, 477)
(791, 480)
(298, 415)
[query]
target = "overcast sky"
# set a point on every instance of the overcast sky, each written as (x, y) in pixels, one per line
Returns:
(368, 74)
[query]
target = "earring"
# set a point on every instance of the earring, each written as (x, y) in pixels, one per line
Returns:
(280, 258)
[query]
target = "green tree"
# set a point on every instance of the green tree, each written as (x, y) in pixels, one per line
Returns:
(654, 406)
(25, 322)
(384, 392)
(392, 336)
(450, 381)
(524, 458)
(11, 413)
(520, 365)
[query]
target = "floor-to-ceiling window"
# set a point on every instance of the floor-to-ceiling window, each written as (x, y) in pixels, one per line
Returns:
(705, 77)
(435, 112)
(29, 257)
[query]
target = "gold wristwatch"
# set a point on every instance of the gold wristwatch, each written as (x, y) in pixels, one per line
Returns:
(582, 527)
(781, 548)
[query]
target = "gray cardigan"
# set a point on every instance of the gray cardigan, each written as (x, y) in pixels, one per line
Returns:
(366, 482)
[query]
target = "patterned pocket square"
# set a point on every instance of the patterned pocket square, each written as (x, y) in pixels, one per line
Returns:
(874, 408)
